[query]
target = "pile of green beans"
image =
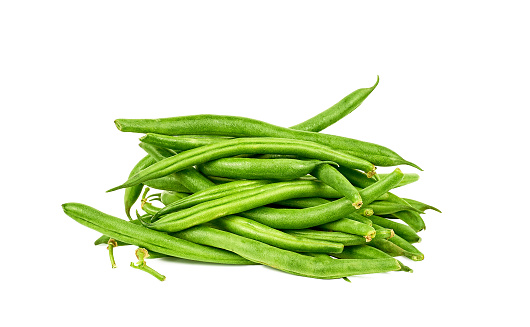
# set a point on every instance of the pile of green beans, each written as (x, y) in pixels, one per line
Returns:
(235, 190)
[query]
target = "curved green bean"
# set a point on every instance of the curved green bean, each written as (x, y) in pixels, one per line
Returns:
(336, 180)
(254, 230)
(211, 193)
(159, 242)
(400, 229)
(168, 197)
(189, 176)
(233, 147)
(237, 203)
(337, 111)
(288, 261)
(246, 127)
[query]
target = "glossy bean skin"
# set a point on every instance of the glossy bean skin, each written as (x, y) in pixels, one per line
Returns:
(189, 176)
(335, 237)
(337, 111)
(284, 260)
(143, 237)
(400, 229)
(332, 177)
(351, 227)
(410, 251)
(237, 203)
(366, 252)
(254, 230)
(246, 127)
(180, 143)
(420, 206)
(234, 147)
(168, 197)
(251, 168)
(209, 194)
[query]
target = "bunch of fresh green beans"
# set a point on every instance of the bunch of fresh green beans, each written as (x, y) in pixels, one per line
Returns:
(235, 190)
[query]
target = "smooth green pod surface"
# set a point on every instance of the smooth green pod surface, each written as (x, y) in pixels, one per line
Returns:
(336, 180)
(251, 168)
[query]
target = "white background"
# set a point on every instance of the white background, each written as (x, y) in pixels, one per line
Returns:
(453, 98)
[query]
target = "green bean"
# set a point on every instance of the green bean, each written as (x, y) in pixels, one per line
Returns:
(168, 197)
(336, 112)
(321, 214)
(360, 179)
(159, 242)
(387, 208)
(246, 127)
(351, 227)
(400, 229)
(313, 202)
(284, 260)
(211, 193)
(387, 247)
(360, 218)
(383, 233)
(420, 205)
(366, 252)
(413, 219)
(189, 176)
(254, 230)
(251, 168)
(133, 193)
(245, 145)
(150, 208)
(335, 237)
(237, 203)
(334, 178)
(410, 251)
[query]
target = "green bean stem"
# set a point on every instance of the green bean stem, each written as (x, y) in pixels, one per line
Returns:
(142, 254)
(111, 245)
